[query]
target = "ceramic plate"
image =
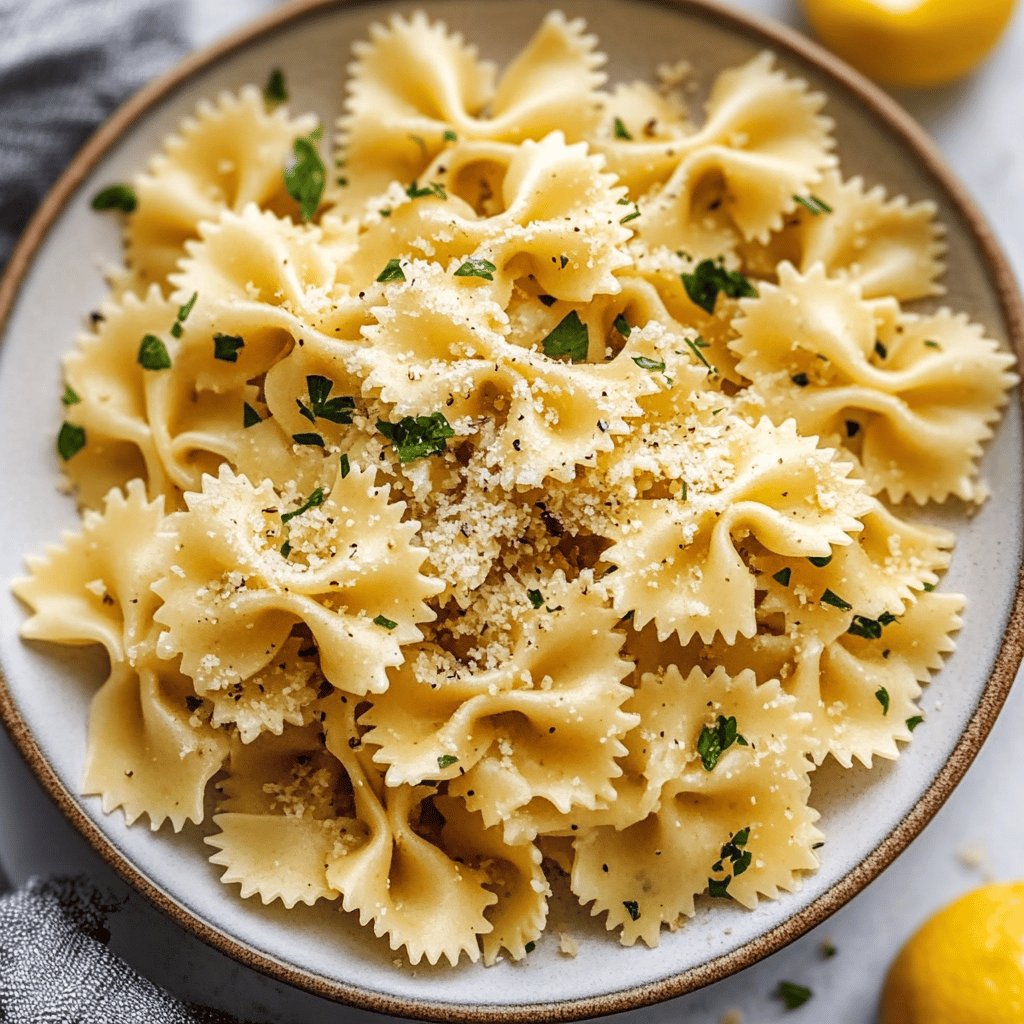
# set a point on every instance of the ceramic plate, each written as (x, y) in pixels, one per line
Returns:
(868, 818)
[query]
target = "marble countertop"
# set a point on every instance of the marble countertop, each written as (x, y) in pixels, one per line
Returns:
(973, 838)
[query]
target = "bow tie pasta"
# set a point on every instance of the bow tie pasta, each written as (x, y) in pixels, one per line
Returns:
(516, 497)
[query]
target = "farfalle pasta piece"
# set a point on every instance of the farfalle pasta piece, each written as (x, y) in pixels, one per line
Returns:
(678, 559)
(542, 720)
(912, 397)
(250, 562)
(415, 87)
(417, 895)
(230, 153)
(888, 246)
(733, 814)
(287, 811)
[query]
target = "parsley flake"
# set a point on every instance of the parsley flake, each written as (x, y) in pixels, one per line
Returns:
(801, 380)
(621, 324)
(70, 396)
(70, 440)
(335, 410)
(309, 439)
(715, 739)
(828, 950)
(275, 92)
(882, 696)
(621, 131)
(632, 908)
(115, 197)
(792, 995)
(536, 598)
(710, 278)
(814, 204)
(630, 216)
(929, 343)
(783, 576)
(928, 587)
(570, 337)
(530, 947)
(250, 417)
(913, 723)
(386, 623)
(477, 267)
(392, 272)
(153, 354)
(315, 500)
(432, 188)
(183, 314)
(444, 760)
(306, 176)
(286, 549)
(415, 437)
(870, 629)
(695, 345)
(719, 887)
(835, 600)
(226, 346)
(880, 350)
(346, 467)
(820, 561)
(450, 136)
(548, 300)
(648, 364)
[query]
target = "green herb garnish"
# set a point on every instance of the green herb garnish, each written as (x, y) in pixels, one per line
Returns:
(153, 354)
(183, 314)
(632, 908)
(70, 440)
(226, 346)
(115, 197)
(710, 278)
(346, 468)
(70, 396)
(882, 696)
(719, 887)
(305, 178)
(801, 380)
(530, 947)
(783, 576)
(913, 723)
(477, 267)
(570, 337)
(814, 204)
(715, 739)
(387, 623)
(250, 417)
(309, 439)
(536, 598)
(695, 345)
(432, 188)
(870, 629)
(392, 272)
(548, 300)
(631, 216)
(335, 410)
(621, 324)
(286, 549)
(836, 601)
(820, 561)
(648, 364)
(621, 131)
(792, 994)
(932, 344)
(415, 437)
(450, 136)
(444, 760)
(275, 92)
(315, 500)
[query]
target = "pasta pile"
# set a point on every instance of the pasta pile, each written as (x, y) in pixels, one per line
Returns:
(516, 492)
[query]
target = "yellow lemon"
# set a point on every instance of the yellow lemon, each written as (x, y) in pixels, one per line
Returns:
(965, 965)
(910, 42)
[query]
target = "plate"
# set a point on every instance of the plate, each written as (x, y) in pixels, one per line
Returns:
(868, 818)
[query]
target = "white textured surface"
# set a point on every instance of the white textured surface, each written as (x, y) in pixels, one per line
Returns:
(973, 123)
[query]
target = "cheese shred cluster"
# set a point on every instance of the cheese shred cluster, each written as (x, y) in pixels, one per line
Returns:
(511, 490)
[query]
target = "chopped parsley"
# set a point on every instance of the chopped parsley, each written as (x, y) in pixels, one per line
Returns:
(814, 204)
(913, 723)
(801, 380)
(632, 908)
(477, 267)
(306, 176)
(346, 468)
(335, 410)
(70, 440)
(820, 561)
(570, 337)
(630, 216)
(70, 396)
(443, 760)
(715, 739)
(415, 437)
(387, 623)
(226, 346)
(928, 588)
(695, 345)
(783, 576)
(648, 364)
(929, 343)
(153, 354)
(432, 188)
(548, 300)
(530, 947)
(792, 995)
(183, 314)
(621, 324)
(450, 136)
(275, 92)
(828, 950)
(880, 350)
(621, 131)
(536, 598)
(392, 272)
(835, 600)
(870, 629)
(250, 417)
(115, 197)
(739, 858)
(286, 549)
(309, 439)
(710, 278)
(882, 696)
(719, 887)
(315, 500)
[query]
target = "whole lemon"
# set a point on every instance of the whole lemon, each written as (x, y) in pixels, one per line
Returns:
(964, 965)
(910, 42)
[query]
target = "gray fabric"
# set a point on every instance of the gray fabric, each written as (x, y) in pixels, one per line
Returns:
(55, 967)
(64, 66)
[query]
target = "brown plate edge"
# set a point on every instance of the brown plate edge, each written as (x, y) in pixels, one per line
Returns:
(1001, 679)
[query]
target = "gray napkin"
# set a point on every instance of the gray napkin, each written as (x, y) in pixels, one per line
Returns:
(64, 66)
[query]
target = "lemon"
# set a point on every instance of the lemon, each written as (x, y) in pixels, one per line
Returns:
(965, 965)
(910, 42)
